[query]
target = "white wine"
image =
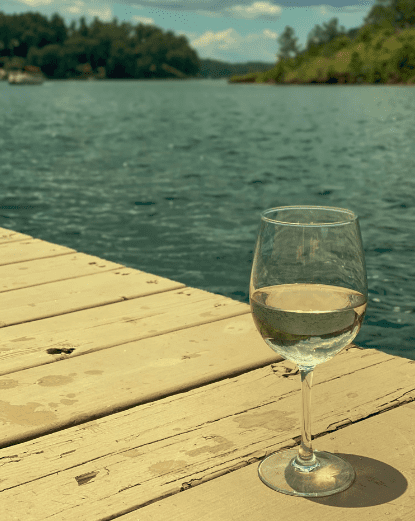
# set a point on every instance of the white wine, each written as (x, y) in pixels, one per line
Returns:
(307, 323)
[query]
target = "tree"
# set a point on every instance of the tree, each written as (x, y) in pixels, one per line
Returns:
(356, 66)
(405, 12)
(112, 49)
(366, 34)
(381, 14)
(122, 62)
(58, 28)
(395, 13)
(403, 61)
(331, 31)
(322, 35)
(287, 44)
(50, 59)
(182, 57)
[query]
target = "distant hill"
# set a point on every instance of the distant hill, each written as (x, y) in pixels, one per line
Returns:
(217, 69)
(376, 54)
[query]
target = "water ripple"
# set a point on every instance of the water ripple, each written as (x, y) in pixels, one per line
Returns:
(170, 177)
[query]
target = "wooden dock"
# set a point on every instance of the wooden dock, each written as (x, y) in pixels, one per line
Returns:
(127, 396)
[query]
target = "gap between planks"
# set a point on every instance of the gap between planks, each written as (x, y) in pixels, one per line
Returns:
(126, 460)
(85, 292)
(7, 236)
(383, 486)
(71, 392)
(35, 343)
(31, 249)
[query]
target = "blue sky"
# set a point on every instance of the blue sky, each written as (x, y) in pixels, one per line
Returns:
(228, 30)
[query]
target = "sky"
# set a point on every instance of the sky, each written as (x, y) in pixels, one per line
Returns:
(234, 31)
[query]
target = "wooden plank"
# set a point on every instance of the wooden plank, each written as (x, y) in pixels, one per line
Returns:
(51, 269)
(58, 298)
(43, 341)
(72, 391)
(7, 236)
(380, 450)
(20, 251)
(119, 463)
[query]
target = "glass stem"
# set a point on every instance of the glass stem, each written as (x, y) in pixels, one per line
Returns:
(305, 460)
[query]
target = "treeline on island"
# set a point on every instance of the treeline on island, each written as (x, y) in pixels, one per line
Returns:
(217, 69)
(100, 49)
(117, 50)
(382, 50)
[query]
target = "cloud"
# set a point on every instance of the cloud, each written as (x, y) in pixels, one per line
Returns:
(77, 7)
(36, 3)
(221, 39)
(270, 34)
(189, 35)
(346, 9)
(262, 10)
(186, 5)
(244, 8)
(143, 20)
(85, 8)
(229, 45)
(103, 13)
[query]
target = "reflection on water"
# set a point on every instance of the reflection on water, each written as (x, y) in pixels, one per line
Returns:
(170, 177)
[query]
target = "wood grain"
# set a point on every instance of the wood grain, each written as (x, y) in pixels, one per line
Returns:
(118, 463)
(20, 251)
(380, 450)
(71, 391)
(7, 236)
(43, 341)
(51, 269)
(89, 291)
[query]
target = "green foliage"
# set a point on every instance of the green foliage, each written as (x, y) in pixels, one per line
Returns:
(405, 12)
(111, 49)
(395, 13)
(218, 69)
(381, 14)
(339, 43)
(247, 78)
(287, 44)
(275, 75)
(356, 64)
(365, 34)
(19, 32)
(403, 61)
(322, 35)
(49, 58)
(381, 51)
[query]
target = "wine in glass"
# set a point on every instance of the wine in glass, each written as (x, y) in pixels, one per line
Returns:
(308, 295)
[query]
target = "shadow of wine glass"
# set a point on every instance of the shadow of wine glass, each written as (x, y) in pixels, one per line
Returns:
(375, 483)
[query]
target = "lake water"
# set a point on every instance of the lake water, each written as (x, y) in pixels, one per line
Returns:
(170, 177)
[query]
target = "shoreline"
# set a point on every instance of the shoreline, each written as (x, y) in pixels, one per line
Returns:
(280, 84)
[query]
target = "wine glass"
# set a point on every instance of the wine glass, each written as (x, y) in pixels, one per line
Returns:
(308, 296)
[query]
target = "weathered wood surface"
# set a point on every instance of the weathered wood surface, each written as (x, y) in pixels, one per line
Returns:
(81, 340)
(20, 251)
(89, 291)
(35, 343)
(381, 450)
(51, 269)
(121, 462)
(7, 236)
(72, 391)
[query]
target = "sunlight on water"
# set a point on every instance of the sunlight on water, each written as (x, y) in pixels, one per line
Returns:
(170, 177)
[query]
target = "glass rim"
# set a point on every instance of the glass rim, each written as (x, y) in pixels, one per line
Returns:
(353, 217)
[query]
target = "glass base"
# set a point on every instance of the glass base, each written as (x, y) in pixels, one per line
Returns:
(332, 475)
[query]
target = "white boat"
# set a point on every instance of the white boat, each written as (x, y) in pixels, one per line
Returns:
(25, 78)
